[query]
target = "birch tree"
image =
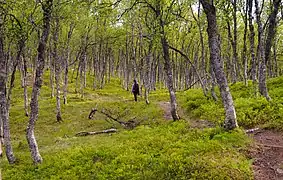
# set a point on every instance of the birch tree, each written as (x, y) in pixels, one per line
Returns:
(47, 9)
(4, 113)
(216, 62)
(58, 65)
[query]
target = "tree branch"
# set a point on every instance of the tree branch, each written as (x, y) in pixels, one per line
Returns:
(187, 58)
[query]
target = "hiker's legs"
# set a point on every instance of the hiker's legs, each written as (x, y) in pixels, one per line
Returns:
(136, 96)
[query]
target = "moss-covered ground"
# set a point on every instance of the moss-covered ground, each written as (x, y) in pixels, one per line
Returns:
(157, 149)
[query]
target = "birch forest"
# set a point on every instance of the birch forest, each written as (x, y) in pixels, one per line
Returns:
(141, 89)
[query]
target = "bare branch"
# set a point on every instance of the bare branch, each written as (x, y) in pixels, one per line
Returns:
(196, 71)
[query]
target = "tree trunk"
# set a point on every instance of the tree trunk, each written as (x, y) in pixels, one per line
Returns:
(271, 32)
(234, 59)
(146, 73)
(252, 45)
(57, 69)
(275, 69)
(213, 84)
(24, 69)
(235, 42)
(261, 55)
(4, 115)
(46, 7)
(66, 67)
(127, 69)
(214, 46)
(244, 55)
(168, 68)
(203, 64)
(78, 72)
(229, 68)
(82, 72)
(52, 69)
(21, 45)
(169, 78)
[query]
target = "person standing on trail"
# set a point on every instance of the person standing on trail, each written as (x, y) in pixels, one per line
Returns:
(136, 90)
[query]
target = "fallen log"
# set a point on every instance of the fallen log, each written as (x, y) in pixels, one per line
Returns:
(112, 130)
(254, 130)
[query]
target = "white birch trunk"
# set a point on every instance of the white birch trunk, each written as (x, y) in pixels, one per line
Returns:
(214, 46)
(4, 115)
(57, 70)
(46, 7)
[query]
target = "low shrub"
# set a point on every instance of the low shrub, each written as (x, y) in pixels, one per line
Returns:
(169, 151)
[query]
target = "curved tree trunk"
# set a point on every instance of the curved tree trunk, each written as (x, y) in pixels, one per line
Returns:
(4, 115)
(169, 77)
(167, 67)
(261, 55)
(46, 7)
(21, 45)
(214, 46)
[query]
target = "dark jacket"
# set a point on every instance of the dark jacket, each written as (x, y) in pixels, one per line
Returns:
(136, 89)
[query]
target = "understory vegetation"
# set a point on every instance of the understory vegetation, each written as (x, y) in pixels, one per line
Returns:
(157, 149)
(252, 109)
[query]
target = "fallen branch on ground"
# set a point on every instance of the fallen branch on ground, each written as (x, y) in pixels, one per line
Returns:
(112, 130)
(252, 130)
(130, 124)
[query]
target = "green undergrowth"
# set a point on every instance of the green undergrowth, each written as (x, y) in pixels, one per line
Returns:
(252, 110)
(168, 151)
(157, 149)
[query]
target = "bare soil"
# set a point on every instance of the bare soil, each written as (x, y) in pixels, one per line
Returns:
(194, 123)
(267, 153)
(165, 106)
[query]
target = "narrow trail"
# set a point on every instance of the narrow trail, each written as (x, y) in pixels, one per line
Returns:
(267, 155)
(165, 106)
(194, 123)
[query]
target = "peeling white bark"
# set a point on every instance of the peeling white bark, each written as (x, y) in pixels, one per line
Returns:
(46, 7)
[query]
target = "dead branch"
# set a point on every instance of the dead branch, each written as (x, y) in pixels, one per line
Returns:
(112, 130)
(193, 66)
(130, 124)
(252, 130)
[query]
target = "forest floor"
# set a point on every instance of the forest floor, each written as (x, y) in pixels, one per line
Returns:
(267, 150)
(196, 147)
(268, 155)
(194, 123)
(165, 106)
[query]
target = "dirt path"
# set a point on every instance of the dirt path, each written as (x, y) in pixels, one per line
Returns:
(196, 123)
(165, 106)
(268, 155)
(267, 151)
